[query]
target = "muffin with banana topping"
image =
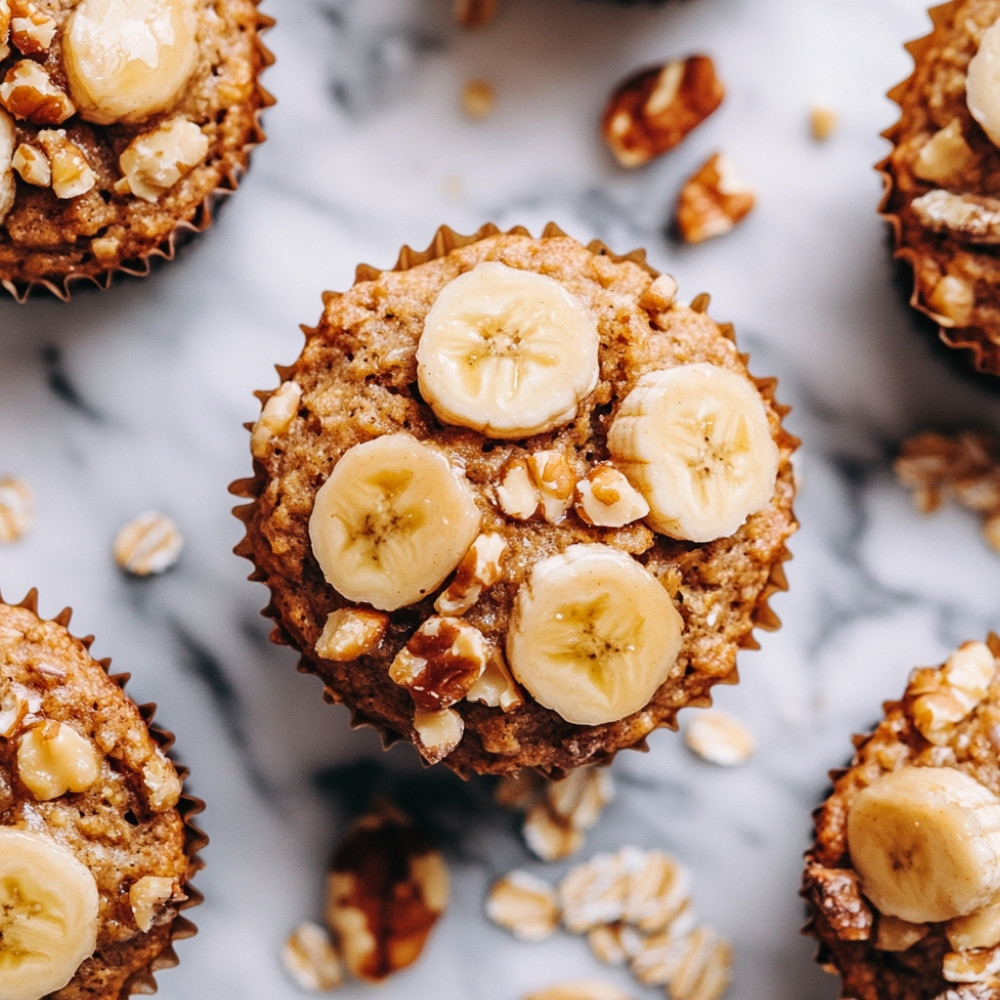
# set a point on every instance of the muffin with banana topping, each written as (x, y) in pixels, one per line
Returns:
(903, 879)
(96, 846)
(120, 123)
(518, 503)
(942, 177)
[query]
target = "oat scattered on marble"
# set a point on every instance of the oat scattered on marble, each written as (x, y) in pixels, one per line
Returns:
(17, 509)
(150, 543)
(311, 960)
(719, 738)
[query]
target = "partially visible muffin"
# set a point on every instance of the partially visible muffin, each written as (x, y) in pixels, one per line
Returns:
(942, 176)
(903, 878)
(517, 503)
(120, 124)
(96, 847)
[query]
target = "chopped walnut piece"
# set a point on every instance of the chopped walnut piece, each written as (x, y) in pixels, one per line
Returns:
(5, 16)
(475, 13)
(440, 662)
(579, 989)
(895, 934)
(71, 174)
(952, 300)
(478, 99)
(945, 156)
(543, 483)
(605, 498)
(837, 895)
(53, 759)
(661, 294)
(478, 570)
(495, 687)
(162, 783)
(32, 165)
(311, 960)
(8, 185)
(712, 201)
(28, 92)
(972, 218)
(525, 905)
(980, 929)
(148, 897)
(823, 121)
(17, 509)
(971, 966)
(155, 161)
(350, 633)
(15, 709)
(275, 418)
(386, 889)
(652, 110)
(719, 737)
(517, 495)
(31, 29)
(437, 733)
(150, 543)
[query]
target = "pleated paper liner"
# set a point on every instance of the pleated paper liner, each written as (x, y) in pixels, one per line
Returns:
(696, 686)
(141, 980)
(868, 973)
(918, 255)
(194, 216)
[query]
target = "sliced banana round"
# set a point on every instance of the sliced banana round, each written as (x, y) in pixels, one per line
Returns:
(392, 521)
(925, 842)
(695, 441)
(506, 352)
(982, 83)
(127, 60)
(593, 634)
(48, 914)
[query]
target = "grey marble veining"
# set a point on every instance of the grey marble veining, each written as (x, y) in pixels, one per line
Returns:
(137, 398)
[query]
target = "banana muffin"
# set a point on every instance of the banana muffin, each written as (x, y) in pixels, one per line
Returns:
(516, 502)
(942, 177)
(120, 124)
(903, 879)
(96, 849)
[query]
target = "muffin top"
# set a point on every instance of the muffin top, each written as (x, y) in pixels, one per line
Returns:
(117, 124)
(93, 841)
(500, 407)
(943, 176)
(903, 879)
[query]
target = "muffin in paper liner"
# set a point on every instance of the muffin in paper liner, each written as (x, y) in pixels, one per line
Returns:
(945, 730)
(93, 183)
(43, 662)
(721, 588)
(941, 186)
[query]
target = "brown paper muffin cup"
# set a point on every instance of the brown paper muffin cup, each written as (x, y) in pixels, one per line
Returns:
(933, 260)
(219, 173)
(141, 980)
(695, 693)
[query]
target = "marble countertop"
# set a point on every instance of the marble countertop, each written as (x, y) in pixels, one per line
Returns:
(136, 398)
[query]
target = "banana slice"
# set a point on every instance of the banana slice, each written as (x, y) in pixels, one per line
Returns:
(126, 60)
(925, 842)
(391, 522)
(696, 443)
(508, 353)
(48, 914)
(593, 634)
(982, 83)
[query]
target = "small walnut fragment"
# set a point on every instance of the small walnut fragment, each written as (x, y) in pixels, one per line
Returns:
(654, 109)
(150, 543)
(823, 121)
(31, 29)
(350, 633)
(605, 498)
(386, 889)
(437, 732)
(275, 418)
(53, 759)
(8, 141)
(478, 570)
(971, 218)
(17, 509)
(28, 92)
(719, 737)
(525, 905)
(155, 161)
(712, 201)
(837, 895)
(150, 898)
(541, 484)
(70, 173)
(311, 960)
(945, 156)
(962, 465)
(32, 165)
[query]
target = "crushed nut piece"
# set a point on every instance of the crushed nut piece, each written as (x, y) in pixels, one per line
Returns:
(478, 99)
(823, 121)
(386, 889)
(971, 966)
(719, 737)
(148, 897)
(32, 165)
(161, 781)
(651, 111)
(437, 733)
(311, 960)
(945, 156)
(661, 294)
(837, 894)
(973, 218)
(275, 418)
(31, 29)
(952, 300)
(28, 92)
(495, 686)
(542, 483)
(895, 934)
(17, 509)
(579, 989)
(712, 201)
(53, 758)
(478, 570)
(8, 140)
(605, 498)
(525, 905)
(15, 707)
(350, 633)
(155, 161)
(71, 173)
(475, 13)
(5, 16)
(151, 543)
(976, 930)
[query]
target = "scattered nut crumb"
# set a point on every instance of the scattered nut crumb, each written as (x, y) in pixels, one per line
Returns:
(17, 509)
(712, 201)
(478, 99)
(151, 543)
(475, 13)
(719, 737)
(823, 121)
(310, 958)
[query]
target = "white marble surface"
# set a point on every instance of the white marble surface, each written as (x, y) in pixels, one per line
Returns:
(136, 398)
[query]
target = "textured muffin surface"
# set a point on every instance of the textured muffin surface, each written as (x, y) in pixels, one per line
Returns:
(358, 381)
(124, 826)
